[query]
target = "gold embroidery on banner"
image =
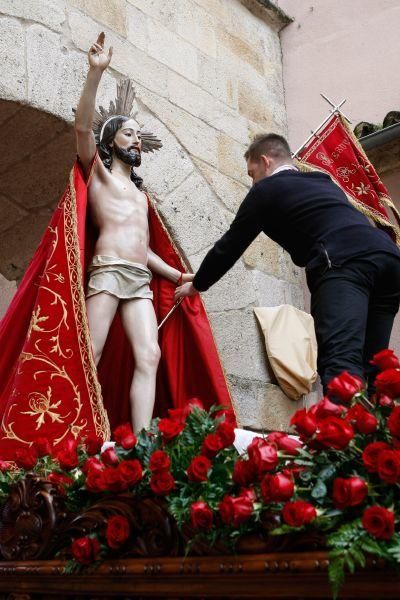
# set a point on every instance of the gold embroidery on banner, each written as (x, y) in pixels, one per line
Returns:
(342, 172)
(99, 413)
(41, 405)
(44, 339)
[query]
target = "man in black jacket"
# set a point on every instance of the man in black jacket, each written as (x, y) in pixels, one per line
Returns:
(352, 268)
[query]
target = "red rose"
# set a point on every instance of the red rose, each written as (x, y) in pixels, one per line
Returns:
(244, 472)
(248, 493)
(193, 403)
(159, 461)
(117, 531)
(124, 436)
(85, 550)
(201, 515)
(371, 453)
(388, 383)
(386, 401)
(93, 444)
(364, 421)
(95, 481)
(389, 466)
(345, 386)
(130, 471)
(178, 414)
(277, 488)
(349, 492)
(293, 470)
(170, 429)
(379, 522)
(263, 455)
(235, 511)
(298, 513)
(60, 480)
(394, 422)
(67, 455)
(227, 415)
(212, 444)
(283, 442)
(226, 432)
(335, 433)
(110, 457)
(42, 446)
(4, 466)
(92, 464)
(304, 422)
(325, 408)
(113, 480)
(162, 483)
(385, 359)
(198, 468)
(26, 458)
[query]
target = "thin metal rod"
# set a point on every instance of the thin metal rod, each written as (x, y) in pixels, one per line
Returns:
(169, 313)
(335, 108)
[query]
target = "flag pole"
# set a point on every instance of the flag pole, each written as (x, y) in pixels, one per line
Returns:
(335, 108)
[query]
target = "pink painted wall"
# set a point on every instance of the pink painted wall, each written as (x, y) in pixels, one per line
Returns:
(345, 49)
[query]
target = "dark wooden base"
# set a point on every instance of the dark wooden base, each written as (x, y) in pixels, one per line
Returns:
(294, 576)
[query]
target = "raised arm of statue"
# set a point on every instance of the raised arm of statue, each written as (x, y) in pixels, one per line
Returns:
(85, 141)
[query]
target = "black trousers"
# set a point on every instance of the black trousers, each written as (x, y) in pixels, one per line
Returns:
(354, 306)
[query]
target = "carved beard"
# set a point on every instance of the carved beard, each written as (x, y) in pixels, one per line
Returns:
(133, 159)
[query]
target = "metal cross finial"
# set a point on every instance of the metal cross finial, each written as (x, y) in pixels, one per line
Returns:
(335, 108)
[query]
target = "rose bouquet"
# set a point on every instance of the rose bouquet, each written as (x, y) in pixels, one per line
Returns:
(339, 475)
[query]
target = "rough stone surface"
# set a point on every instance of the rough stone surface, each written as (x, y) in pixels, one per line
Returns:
(241, 344)
(171, 50)
(112, 12)
(44, 62)
(262, 406)
(48, 12)
(127, 59)
(263, 254)
(137, 28)
(12, 51)
(7, 291)
(228, 190)
(164, 171)
(235, 290)
(200, 218)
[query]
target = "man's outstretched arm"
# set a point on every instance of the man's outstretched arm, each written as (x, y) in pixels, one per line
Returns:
(85, 142)
(247, 224)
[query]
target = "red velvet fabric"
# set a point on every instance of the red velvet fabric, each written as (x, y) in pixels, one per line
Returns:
(48, 381)
(337, 151)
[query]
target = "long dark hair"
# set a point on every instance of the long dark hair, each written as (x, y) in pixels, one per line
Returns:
(105, 149)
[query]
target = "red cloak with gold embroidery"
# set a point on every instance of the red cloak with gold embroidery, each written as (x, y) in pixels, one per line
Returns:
(49, 384)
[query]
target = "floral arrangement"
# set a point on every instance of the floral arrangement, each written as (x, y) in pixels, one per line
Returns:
(340, 475)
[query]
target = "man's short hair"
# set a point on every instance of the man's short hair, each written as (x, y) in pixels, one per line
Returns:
(272, 144)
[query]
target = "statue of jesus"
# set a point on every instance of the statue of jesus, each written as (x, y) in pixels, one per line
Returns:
(122, 265)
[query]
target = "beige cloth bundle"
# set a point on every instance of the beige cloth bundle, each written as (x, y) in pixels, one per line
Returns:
(291, 347)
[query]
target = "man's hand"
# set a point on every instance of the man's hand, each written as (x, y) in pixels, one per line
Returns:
(96, 55)
(184, 290)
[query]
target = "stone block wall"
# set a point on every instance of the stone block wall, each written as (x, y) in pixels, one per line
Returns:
(208, 75)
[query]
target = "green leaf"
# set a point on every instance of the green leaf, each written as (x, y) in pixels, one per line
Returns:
(327, 472)
(319, 490)
(336, 575)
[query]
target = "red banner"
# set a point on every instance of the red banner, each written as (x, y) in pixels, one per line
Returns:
(336, 150)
